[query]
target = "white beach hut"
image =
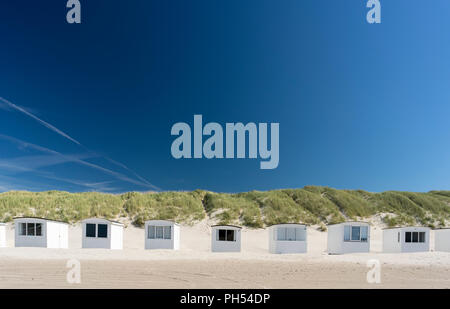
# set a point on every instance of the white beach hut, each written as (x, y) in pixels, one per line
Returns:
(225, 238)
(442, 240)
(162, 234)
(287, 238)
(2, 235)
(348, 237)
(40, 232)
(102, 233)
(406, 239)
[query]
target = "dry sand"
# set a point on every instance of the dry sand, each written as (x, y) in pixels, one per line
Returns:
(195, 267)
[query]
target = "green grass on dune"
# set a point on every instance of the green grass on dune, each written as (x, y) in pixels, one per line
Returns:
(232, 208)
(183, 207)
(311, 205)
(59, 205)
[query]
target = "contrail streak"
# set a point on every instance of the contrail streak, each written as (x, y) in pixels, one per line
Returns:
(61, 133)
(46, 124)
(79, 161)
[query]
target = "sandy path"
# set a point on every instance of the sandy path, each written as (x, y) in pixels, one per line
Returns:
(216, 274)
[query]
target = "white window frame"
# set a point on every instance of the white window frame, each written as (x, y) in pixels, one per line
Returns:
(151, 227)
(226, 235)
(95, 230)
(22, 230)
(164, 227)
(418, 237)
(26, 229)
(360, 233)
(107, 230)
(351, 233)
(424, 237)
(410, 238)
(283, 230)
(165, 232)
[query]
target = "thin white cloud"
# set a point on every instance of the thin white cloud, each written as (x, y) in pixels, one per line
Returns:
(103, 186)
(40, 161)
(128, 169)
(11, 184)
(4, 106)
(7, 105)
(8, 183)
(67, 158)
(46, 124)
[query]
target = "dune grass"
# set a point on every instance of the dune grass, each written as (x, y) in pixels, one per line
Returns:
(310, 205)
(183, 207)
(59, 205)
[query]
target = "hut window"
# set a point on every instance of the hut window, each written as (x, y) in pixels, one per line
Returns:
(167, 232)
(23, 229)
(356, 233)
(290, 234)
(38, 229)
(300, 234)
(398, 237)
(159, 232)
(230, 235)
(226, 235)
(30, 229)
(408, 236)
(347, 232)
(102, 230)
(151, 232)
(364, 233)
(415, 237)
(421, 236)
(222, 235)
(90, 230)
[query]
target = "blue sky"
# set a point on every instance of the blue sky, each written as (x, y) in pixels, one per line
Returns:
(360, 106)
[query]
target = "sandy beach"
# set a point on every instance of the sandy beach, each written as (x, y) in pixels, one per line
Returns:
(194, 266)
